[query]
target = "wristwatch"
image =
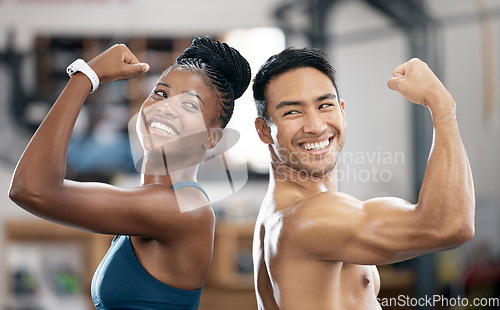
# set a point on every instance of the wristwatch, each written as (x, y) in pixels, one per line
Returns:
(80, 65)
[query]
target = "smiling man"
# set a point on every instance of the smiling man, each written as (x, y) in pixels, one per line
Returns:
(316, 248)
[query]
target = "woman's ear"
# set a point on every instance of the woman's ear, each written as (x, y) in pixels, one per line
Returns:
(263, 130)
(214, 136)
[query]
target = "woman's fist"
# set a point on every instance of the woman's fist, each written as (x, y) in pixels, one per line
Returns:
(117, 63)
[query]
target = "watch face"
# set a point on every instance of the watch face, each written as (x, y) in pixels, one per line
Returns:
(80, 65)
(71, 68)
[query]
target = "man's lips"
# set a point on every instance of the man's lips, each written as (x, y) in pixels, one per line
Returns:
(316, 143)
(315, 146)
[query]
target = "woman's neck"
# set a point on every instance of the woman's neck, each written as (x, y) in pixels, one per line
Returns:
(157, 170)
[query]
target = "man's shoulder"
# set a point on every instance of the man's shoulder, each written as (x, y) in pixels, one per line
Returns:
(295, 210)
(329, 198)
(311, 211)
(323, 201)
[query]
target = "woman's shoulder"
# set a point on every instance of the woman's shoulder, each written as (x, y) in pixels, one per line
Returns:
(187, 200)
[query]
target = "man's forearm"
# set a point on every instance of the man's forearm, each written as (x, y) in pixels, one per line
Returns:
(447, 194)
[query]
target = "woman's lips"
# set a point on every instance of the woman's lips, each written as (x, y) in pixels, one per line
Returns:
(163, 128)
(160, 125)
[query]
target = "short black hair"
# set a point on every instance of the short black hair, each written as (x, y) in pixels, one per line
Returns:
(289, 59)
(226, 69)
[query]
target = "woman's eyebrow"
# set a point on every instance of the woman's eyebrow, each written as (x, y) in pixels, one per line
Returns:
(163, 84)
(191, 93)
(195, 95)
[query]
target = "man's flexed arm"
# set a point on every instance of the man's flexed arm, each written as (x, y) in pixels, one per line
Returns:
(335, 226)
(447, 188)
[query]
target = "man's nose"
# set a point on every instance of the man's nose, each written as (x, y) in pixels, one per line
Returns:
(314, 123)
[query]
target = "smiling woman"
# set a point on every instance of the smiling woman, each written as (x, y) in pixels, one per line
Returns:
(174, 111)
(165, 227)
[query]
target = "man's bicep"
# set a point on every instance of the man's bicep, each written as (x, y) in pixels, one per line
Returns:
(338, 227)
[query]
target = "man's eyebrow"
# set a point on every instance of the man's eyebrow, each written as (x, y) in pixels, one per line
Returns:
(185, 92)
(326, 96)
(283, 104)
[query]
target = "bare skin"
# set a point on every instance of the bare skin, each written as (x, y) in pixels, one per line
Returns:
(316, 248)
(174, 247)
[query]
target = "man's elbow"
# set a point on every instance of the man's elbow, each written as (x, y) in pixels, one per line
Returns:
(458, 228)
(467, 233)
(465, 223)
(458, 235)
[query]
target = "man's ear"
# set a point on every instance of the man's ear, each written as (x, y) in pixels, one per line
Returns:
(263, 130)
(342, 108)
(214, 136)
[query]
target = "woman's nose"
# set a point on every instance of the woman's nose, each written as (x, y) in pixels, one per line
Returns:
(167, 108)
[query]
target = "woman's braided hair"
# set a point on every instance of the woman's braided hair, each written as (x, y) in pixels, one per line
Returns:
(225, 68)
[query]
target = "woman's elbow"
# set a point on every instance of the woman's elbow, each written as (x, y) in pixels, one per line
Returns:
(16, 191)
(24, 195)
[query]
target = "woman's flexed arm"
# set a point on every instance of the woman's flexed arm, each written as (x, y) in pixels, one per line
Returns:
(41, 169)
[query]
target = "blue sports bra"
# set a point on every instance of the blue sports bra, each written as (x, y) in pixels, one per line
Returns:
(120, 281)
(189, 183)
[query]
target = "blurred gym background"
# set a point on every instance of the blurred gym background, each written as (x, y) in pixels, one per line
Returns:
(47, 266)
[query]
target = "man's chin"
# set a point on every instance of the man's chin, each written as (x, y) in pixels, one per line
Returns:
(315, 172)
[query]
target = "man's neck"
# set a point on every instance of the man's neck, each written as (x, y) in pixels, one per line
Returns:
(283, 175)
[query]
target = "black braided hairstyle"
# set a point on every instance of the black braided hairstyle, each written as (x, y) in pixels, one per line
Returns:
(225, 68)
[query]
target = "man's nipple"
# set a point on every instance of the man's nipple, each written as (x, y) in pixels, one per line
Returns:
(366, 280)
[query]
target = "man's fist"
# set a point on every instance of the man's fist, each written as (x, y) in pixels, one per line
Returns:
(117, 63)
(417, 83)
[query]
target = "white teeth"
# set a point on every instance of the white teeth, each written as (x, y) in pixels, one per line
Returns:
(161, 126)
(316, 146)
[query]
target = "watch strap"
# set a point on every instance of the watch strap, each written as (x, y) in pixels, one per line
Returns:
(80, 65)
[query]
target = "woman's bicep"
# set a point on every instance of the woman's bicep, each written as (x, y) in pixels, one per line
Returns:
(104, 208)
(100, 207)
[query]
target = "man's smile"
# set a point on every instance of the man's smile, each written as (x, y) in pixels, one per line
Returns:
(315, 146)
